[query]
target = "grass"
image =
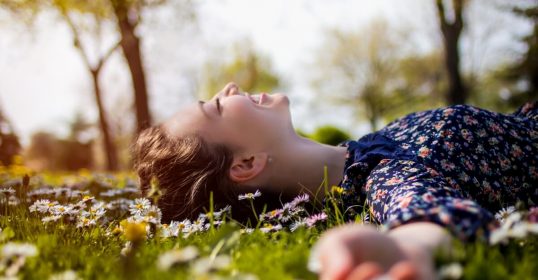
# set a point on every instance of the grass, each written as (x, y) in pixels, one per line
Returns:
(99, 251)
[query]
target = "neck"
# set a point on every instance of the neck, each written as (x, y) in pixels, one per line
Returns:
(299, 167)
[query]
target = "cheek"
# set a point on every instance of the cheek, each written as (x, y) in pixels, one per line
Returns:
(243, 117)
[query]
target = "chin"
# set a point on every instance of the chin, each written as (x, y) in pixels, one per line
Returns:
(282, 98)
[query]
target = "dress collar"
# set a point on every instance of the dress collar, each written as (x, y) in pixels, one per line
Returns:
(361, 157)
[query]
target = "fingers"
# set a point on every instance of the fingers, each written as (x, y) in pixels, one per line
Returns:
(335, 259)
(404, 270)
(340, 249)
(365, 271)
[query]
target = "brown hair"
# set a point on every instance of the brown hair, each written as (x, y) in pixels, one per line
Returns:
(187, 169)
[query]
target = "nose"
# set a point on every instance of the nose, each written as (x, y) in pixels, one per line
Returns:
(231, 89)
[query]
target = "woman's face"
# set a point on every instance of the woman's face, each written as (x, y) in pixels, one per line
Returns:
(252, 123)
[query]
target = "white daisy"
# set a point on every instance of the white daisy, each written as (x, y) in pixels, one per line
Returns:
(250, 196)
(140, 206)
(269, 227)
(13, 249)
(177, 256)
(504, 213)
(42, 206)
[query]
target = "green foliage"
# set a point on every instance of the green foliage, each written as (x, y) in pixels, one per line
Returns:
(523, 74)
(248, 69)
(329, 134)
(371, 72)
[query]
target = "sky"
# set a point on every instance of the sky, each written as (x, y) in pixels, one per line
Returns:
(43, 81)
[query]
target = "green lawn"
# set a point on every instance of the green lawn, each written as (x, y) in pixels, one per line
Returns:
(91, 227)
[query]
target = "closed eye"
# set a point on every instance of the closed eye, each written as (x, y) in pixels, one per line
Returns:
(217, 100)
(219, 108)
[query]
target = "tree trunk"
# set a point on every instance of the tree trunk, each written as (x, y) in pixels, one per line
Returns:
(130, 45)
(457, 92)
(110, 147)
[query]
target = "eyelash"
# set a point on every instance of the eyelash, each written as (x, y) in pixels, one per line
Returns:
(219, 108)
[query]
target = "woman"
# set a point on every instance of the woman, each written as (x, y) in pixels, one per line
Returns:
(426, 172)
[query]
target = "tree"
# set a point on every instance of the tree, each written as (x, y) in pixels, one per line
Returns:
(360, 69)
(9, 141)
(250, 70)
(128, 15)
(64, 8)
(451, 30)
(524, 72)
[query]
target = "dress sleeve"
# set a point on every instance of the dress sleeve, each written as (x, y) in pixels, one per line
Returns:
(402, 191)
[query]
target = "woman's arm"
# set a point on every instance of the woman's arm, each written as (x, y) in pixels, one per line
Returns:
(427, 235)
(355, 251)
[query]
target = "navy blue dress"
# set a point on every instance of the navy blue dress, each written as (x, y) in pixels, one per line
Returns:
(453, 166)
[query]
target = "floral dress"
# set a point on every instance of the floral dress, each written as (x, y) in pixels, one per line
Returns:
(453, 166)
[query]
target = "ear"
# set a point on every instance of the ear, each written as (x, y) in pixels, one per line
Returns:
(247, 167)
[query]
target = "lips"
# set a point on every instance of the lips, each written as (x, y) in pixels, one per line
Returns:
(258, 99)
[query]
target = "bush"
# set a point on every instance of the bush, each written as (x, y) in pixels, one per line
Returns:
(330, 135)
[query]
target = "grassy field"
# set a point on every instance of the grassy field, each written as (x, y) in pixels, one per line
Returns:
(93, 226)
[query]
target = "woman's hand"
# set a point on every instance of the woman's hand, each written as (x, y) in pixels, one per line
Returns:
(361, 252)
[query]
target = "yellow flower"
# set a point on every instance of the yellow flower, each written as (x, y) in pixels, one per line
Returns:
(337, 189)
(116, 231)
(134, 232)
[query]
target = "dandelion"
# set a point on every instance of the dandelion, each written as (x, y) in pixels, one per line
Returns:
(134, 232)
(504, 213)
(250, 196)
(337, 190)
(173, 257)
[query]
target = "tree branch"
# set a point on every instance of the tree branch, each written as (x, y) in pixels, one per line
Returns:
(458, 14)
(107, 55)
(77, 42)
(441, 12)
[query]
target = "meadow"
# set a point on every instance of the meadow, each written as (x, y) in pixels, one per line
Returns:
(89, 225)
